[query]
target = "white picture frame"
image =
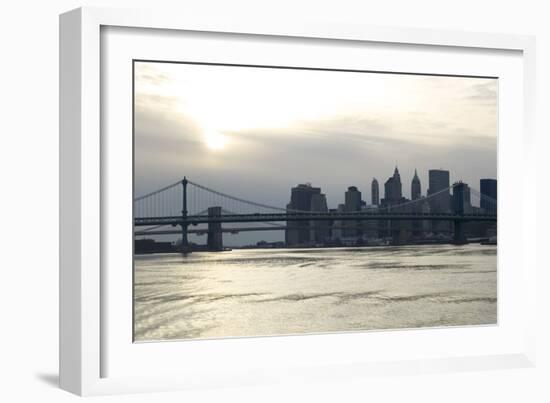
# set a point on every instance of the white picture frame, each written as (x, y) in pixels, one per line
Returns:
(86, 347)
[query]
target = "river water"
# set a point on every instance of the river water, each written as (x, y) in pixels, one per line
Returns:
(288, 291)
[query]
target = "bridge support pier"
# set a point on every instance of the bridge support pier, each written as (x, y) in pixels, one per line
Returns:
(215, 236)
(184, 241)
(396, 237)
(459, 237)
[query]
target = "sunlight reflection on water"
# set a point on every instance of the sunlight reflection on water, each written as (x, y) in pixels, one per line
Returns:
(284, 291)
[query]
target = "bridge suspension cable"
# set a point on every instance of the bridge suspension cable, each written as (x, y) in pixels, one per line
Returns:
(486, 198)
(238, 199)
(157, 191)
(168, 202)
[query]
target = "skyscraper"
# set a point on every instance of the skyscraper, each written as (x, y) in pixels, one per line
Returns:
(300, 199)
(319, 230)
(393, 195)
(336, 231)
(488, 188)
(352, 203)
(375, 192)
(439, 197)
(393, 192)
(416, 194)
(439, 183)
(353, 199)
(461, 198)
(416, 190)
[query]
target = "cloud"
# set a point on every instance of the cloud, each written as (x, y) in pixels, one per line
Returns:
(485, 92)
(147, 75)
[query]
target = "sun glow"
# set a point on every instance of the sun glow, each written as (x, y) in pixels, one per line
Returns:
(215, 141)
(227, 108)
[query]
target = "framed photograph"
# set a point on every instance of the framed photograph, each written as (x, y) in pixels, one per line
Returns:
(247, 202)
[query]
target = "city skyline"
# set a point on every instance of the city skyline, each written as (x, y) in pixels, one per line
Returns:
(441, 197)
(257, 132)
(438, 199)
(422, 191)
(367, 191)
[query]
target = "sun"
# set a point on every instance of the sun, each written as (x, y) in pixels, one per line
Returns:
(215, 141)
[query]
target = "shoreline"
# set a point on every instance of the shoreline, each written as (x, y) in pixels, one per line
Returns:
(480, 241)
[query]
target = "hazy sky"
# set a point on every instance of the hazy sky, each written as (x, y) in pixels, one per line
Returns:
(256, 132)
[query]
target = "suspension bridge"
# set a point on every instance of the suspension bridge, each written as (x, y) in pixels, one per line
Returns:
(184, 204)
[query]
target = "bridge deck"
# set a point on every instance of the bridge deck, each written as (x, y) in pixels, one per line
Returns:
(236, 218)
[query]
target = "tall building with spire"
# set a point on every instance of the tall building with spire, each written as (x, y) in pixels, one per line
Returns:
(393, 192)
(375, 192)
(416, 194)
(393, 196)
(416, 190)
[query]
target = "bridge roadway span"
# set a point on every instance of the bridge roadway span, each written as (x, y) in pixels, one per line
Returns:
(236, 230)
(236, 218)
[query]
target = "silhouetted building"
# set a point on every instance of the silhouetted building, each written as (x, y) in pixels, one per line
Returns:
(416, 190)
(488, 203)
(371, 228)
(425, 224)
(462, 204)
(298, 232)
(416, 194)
(440, 187)
(488, 187)
(375, 192)
(467, 197)
(353, 199)
(461, 198)
(352, 203)
(336, 231)
(393, 196)
(319, 230)
(393, 192)
(291, 233)
(215, 235)
(440, 197)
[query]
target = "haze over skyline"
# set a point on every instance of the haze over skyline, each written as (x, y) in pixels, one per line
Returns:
(256, 132)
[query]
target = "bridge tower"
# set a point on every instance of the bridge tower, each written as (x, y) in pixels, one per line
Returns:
(459, 190)
(215, 236)
(184, 225)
